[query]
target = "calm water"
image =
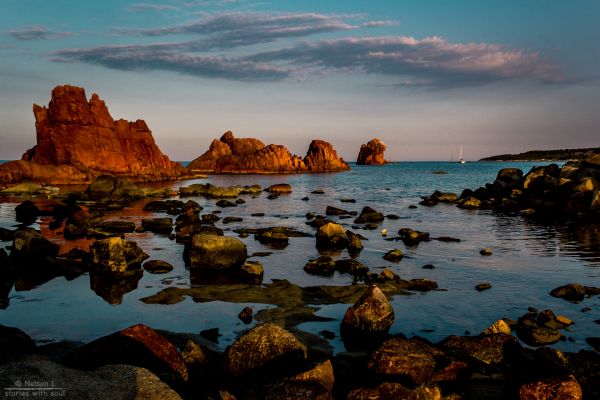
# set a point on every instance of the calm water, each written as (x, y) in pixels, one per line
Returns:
(529, 260)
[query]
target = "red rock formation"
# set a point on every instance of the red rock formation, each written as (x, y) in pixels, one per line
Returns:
(77, 140)
(322, 157)
(250, 156)
(372, 153)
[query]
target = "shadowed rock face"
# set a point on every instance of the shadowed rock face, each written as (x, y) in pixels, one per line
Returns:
(77, 140)
(372, 153)
(231, 155)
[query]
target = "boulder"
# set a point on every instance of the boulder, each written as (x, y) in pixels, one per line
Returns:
(570, 292)
(266, 350)
(111, 382)
(15, 344)
(116, 255)
(29, 246)
(369, 215)
(372, 153)
(137, 345)
(158, 225)
(563, 388)
(252, 272)
(332, 235)
(393, 391)
(323, 265)
(215, 253)
(280, 188)
(27, 212)
(444, 197)
(157, 267)
(117, 226)
(354, 243)
(77, 140)
(414, 359)
(369, 318)
(410, 237)
(393, 255)
(491, 349)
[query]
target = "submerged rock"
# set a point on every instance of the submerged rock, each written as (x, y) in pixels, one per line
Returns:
(570, 292)
(158, 225)
(157, 267)
(393, 255)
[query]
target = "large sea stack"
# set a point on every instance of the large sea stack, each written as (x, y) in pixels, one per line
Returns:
(78, 140)
(372, 153)
(230, 155)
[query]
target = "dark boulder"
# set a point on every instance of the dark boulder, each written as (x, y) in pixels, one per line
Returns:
(367, 215)
(368, 320)
(266, 350)
(332, 235)
(158, 225)
(157, 267)
(216, 253)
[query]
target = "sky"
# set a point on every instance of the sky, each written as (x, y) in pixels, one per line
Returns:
(424, 76)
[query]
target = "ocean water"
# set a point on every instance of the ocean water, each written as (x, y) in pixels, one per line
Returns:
(530, 258)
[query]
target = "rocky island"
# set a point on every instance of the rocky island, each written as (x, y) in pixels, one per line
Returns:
(372, 153)
(230, 155)
(78, 140)
(547, 155)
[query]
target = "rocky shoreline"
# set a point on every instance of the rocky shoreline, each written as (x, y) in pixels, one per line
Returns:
(274, 359)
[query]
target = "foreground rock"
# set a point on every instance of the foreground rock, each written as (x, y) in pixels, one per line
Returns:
(265, 349)
(368, 320)
(78, 139)
(372, 153)
(332, 235)
(233, 155)
(111, 382)
(137, 345)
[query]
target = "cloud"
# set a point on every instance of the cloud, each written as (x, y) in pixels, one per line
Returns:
(432, 60)
(139, 7)
(150, 58)
(244, 40)
(36, 32)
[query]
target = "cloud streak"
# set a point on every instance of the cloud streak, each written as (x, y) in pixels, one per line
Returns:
(36, 32)
(141, 7)
(430, 61)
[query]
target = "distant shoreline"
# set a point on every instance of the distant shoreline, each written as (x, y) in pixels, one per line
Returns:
(547, 155)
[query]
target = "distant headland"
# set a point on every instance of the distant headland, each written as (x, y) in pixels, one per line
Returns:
(547, 155)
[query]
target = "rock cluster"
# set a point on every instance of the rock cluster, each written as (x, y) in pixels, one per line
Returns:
(230, 155)
(78, 139)
(572, 189)
(372, 153)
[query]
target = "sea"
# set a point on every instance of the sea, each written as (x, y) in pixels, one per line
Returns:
(530, 258)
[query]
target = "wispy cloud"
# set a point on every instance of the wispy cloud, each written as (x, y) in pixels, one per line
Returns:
(430, 61)
(36, 32)
(151, 58)
(140, 7)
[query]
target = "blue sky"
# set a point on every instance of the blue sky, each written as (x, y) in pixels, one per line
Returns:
(424, 76)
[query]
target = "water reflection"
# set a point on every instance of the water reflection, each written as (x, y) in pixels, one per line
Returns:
(112, 287)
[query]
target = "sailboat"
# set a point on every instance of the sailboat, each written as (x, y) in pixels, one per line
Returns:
(460, 156)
